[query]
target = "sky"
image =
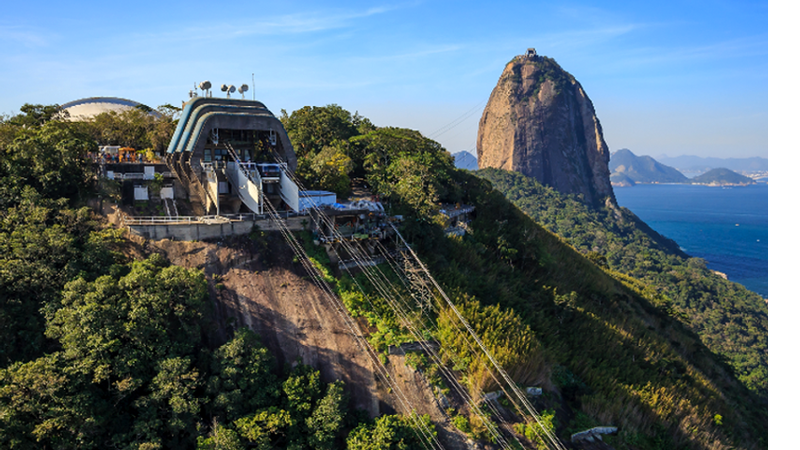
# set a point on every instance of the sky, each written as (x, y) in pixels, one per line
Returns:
(666, 78)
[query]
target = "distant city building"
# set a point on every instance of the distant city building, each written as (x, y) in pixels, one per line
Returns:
(87, 108)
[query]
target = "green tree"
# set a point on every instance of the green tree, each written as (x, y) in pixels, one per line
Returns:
(51, 158)
(220, 438)
(302, 390)
(42, 247)
(115, 328)
(243, 377)
(166, 414)
(391, 433)
(136, 128)
(407, 168)
(42, 406)
(38, 115)
(331, 168)
(312, 128)
(328, 417)
(266, 428)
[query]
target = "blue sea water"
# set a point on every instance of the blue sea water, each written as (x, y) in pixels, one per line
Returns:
(725, 226)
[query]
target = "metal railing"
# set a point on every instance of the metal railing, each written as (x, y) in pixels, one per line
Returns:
(210, 219)
(174, 220)
(138, 175)
(458, 211)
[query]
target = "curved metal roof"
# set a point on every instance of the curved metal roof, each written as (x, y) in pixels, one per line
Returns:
(87, 108)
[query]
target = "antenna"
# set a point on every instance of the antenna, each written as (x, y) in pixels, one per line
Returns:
(206, 87)
(243, 88)
(231, 90)
(254, 86)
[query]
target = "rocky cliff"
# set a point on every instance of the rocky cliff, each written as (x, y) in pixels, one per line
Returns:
(540, 122)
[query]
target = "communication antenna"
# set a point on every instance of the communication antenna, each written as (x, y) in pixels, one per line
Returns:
(224, 88)
(231, 90)
(206, 87)
(243, 88)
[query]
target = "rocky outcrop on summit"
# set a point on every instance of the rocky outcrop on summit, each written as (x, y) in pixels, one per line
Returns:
(541, 123)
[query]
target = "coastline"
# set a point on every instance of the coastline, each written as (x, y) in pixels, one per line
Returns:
(688, 184)
(727, 227)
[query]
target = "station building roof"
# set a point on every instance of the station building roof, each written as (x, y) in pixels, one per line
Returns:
(87, 108)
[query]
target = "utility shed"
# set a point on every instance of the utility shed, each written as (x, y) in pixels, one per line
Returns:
(140, 193)
(458, 218)
(316, 199)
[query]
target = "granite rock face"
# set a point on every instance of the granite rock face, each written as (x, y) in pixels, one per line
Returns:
(540, 122)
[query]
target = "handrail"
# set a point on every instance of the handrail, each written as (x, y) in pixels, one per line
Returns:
(138, 175)
(222, 218)
(252, 176)
(150, 220)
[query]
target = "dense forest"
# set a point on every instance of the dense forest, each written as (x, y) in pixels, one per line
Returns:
(102, 348)
(99, 350)
(616, 350)
(730, 320)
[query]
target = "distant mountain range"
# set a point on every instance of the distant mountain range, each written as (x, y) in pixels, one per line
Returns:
(722, 177)
(627, 169)
(697, 164)
(465, 160)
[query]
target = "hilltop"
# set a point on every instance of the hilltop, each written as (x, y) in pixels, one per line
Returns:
(721, 177)
(540, 122)
(139, 352)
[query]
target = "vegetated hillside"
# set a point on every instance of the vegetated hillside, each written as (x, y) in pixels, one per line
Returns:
(626, 166)
(729, 319)
(721, 176)
(100, 349)
(123, 350)
(610, 351)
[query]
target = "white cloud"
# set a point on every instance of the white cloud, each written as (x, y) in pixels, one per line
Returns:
(287, 24)
(28, 37)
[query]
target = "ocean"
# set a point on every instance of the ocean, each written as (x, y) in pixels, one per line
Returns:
(726, 226)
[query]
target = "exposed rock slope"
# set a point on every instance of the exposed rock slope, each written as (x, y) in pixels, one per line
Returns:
(274, 297)
(541, 123)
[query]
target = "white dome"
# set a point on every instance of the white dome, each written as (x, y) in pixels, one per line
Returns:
(86, 108)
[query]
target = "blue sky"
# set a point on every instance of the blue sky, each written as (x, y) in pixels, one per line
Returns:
(678, 77)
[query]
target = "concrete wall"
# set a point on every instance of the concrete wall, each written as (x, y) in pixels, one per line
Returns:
(199, 231)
